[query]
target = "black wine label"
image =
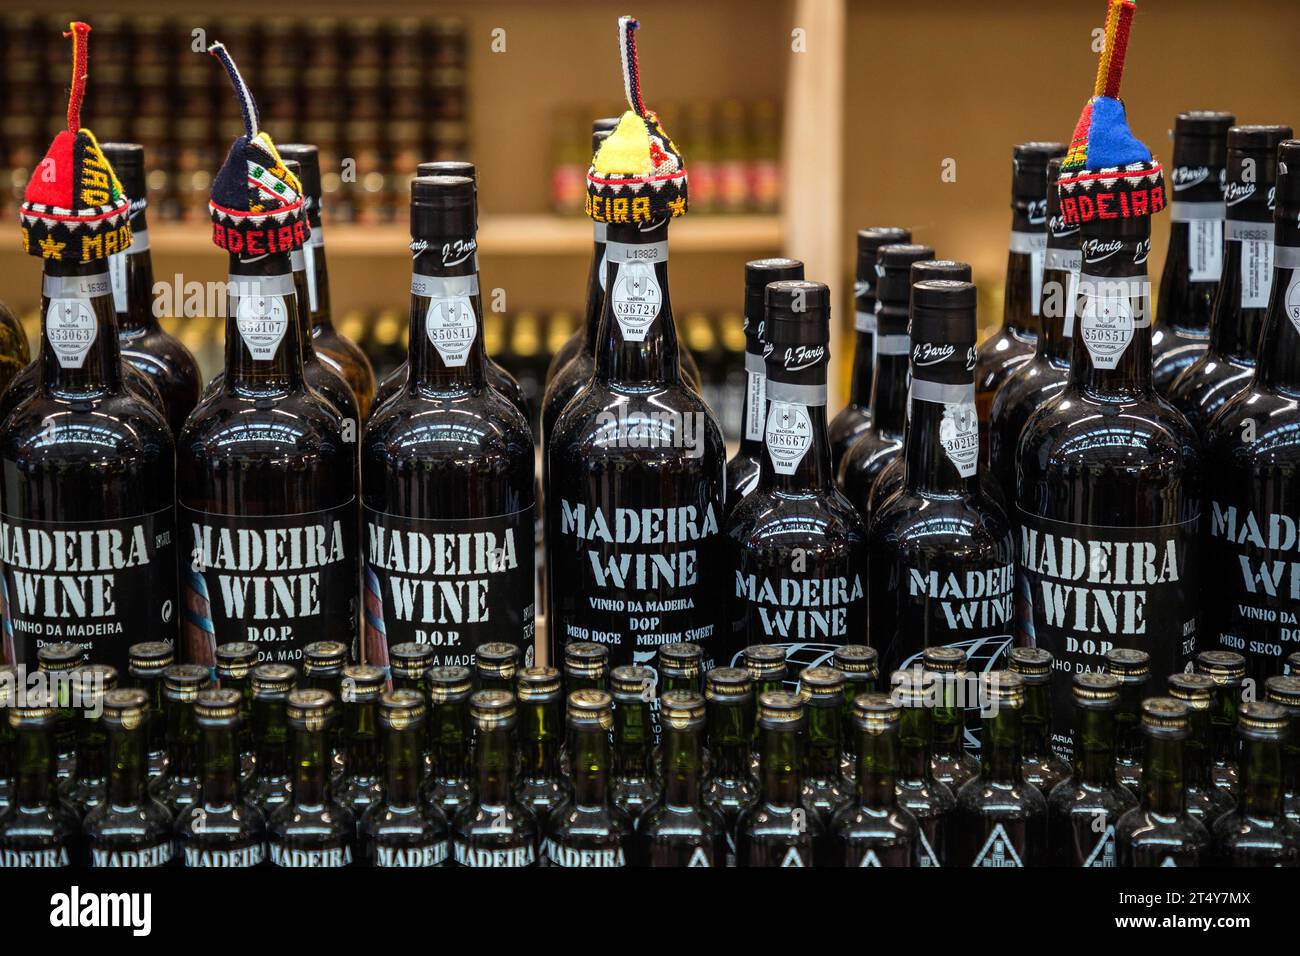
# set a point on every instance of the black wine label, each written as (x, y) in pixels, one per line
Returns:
(279, 581)
(452, 584)
(1085, 590)
(1255, 566)
(100, 584)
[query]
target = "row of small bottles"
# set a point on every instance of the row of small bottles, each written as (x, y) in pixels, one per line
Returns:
(596, 767)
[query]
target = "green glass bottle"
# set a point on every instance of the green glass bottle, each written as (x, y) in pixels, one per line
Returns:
(272, 784)
(680, 666)
(1228, 670)
(450, 787)
(38, 829)
(1257, 832)
(401, 830)
(1000, 821)
(10, 688)
(1284, 690)
(823, 790)
(179, 786)
(1083, 809)
(1205, 801)
(949, 682)
(56, 662)
(776, 830)
(634, 785)
(1133, 668)
(146, 662)
(860, 666)
(130, 828)
(408, 665)
(927, 799)
(1160, 831)
(590, 829)
(767, 671)
(234, 671)
(1291, 666)
(495, 666)
(312, 829)
(1043, 768)
(322, 669)
(874, 829)
(586, 666)
(494, 829)
(729, 787)
(222, 828)
(541, 787)
(362, 783)
(680, 828)
(88, 786)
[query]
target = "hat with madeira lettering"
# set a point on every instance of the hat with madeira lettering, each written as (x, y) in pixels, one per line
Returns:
(638, 175)
(1108, 173)
(74, 209)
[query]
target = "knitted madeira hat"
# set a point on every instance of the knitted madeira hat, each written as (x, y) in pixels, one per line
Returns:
(1109, 173)
(638, 174)
(257, 205)
(74, 208)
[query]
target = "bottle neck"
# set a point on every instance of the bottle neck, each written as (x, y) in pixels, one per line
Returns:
(496, 758)
(220, 767)
(182, 741)
(1162, 776)
(1260, 783)
(797, 446)
(92, 751)
(34, 774)
(271, 732)
(948, 726)
(637, 342)
(730, 740)
(540, 731)
(1279, 345)
(864, 345)
(446, 351)
(753, 415)
(79, 347)
(1194, 258)
(318, 283)
(779, 764)
(1036, 722)
(361, 734)
(264, 351)
(1060, 297)
(595, 289)
(1094, 752)
(941, 447)
(126, 766)
(131, 276)
(914, 734)
(450, 723)
(877, 768)
(1241, 306)
(822, 751)
(589, 757)
(683, 757)
(1023, 295)
(402, 766)
(311, 767)
(1198, 763)
(889, 391)
(1111, 359)
(1000, 749)
(633, 740)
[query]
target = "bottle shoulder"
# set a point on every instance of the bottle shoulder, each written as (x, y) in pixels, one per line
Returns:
(665, 424)
(118, 425)
(159, 353)
(978, 795)
(1073, 428)
(416, 425)
(766, 516)
(1037, 378)
(907, 520)
(228, 425)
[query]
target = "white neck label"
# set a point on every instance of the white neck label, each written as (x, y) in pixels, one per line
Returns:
(1106, 322)
(71, 329)
(452, 327)
(788, 436)
(636, 299)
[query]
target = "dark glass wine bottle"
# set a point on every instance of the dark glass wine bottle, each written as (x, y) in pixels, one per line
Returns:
(130, 828)
(447, 463)
(633, 783)
(493, 829)
(823, 790)
(1205, 801)
(1109, 489)
(1000, 820)
(38, 829)
(775, 830)
(744, 467)
(1083, 810)
(10, 684)
(88, 489)
(927, 799)
(144, 343)
(450, 787)
(795, 545)
(955, 687)
(335, 350)
(882, 441)
(178, 788)
(638, 462)
(401, 830)
(1194, 260)
(1160, 831)
(1016, 339)
(221, 828)
(313, 829)
(234, 671)
(1133, 668)
(729, 787)
(682, 828)
(1043, 768)
(87, 787)
(497, 377)
(15, 351)
(590, 829)
(362, 783)
(874, 828)
(855, 417)
(1253, 574)
(1258, 832)
(1228, 671)
(1284, 690)
(1046, 371)
(1241, 302)
(941, 554)
(860, 666)
(541, 786)
(272, 784)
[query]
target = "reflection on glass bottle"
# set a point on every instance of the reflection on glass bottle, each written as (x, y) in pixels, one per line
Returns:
(362, 783)
(179, 786)
(540, 786)
(145, 666)
(1133, 668)
(1205, 801)
(823, 790)
(450, 787)
(234, 671)
(38, 829)
(494, 829)
(874, 828)
(730, 786)
(312, 829)
(634, 784)
(682, 828)
(929, 800)
(1043, 768)
(1258, 832)
(272, 783)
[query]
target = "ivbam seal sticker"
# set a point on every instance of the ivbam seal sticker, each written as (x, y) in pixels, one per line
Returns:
(788, 436)
(959, 434)
(452, 328)
(635, 297)
(262, 312)
(1106, 322)
(71, 328)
